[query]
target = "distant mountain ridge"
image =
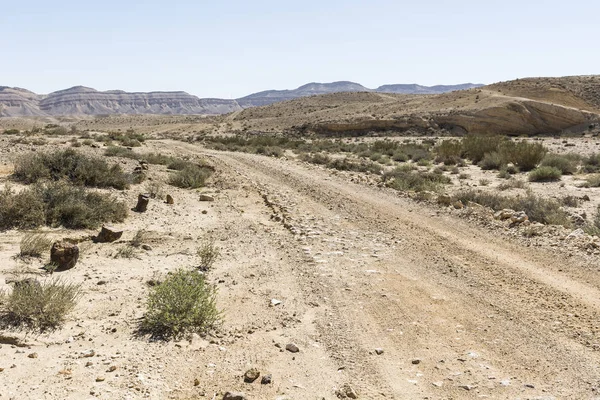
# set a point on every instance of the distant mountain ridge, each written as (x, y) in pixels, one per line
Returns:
(81, 100)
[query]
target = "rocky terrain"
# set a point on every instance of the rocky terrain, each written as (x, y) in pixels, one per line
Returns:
(80, 100)
(332, 286)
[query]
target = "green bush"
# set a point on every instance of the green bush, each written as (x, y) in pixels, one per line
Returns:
(491, 160)
(592, 181)
(449, 152)
(157, 158)
(183, 303)
(566, 164)
(71, 165)
(545, 174)
(475, 147)
(208, 254)
(118, 151)
(58, 204)
(403, 180)
(23, 210)
(591, 164)
(538, 209)
(192, 176)
(318, 158)
(524, 155)
(345, 164)
(38, 307)
(177, 164)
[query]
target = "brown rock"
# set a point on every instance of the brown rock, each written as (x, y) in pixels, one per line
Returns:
(142, 203)
(234, 396)
(33, 355)
(204, 197)
(108, 234)
(251, 375)
(170, 199)
(64, 255)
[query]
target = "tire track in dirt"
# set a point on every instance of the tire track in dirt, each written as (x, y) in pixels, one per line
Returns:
(448, 288)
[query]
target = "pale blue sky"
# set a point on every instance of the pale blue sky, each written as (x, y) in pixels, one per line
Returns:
(233, 48)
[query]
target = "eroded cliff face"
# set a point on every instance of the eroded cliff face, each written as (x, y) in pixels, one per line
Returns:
(86, 101)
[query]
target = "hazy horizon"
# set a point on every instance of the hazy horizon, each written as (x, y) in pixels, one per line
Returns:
(230, 50)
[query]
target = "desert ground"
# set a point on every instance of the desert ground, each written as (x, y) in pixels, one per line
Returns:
(385, 296)
(332, 283)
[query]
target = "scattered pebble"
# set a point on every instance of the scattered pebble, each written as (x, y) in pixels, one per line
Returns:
(379, 351)
(292, 348)
(32, 355)
(251, 375)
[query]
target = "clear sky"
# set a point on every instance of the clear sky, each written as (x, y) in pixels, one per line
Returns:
(233, 48)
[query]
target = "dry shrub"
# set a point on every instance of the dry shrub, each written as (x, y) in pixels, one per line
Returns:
(38, 306)
(545, 174)
(192, 176)
(183, 303)
(34, 245)
(208, 254)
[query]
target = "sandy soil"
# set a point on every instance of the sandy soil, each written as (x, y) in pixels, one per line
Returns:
(458, 310)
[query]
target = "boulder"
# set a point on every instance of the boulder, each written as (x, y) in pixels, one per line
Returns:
(142, 203)
(108, 234)
(64, 254)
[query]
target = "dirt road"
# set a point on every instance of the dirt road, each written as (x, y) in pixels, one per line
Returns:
(454, 311)
(458, 312)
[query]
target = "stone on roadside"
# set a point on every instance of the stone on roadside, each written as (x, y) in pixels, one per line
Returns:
(251, 375)
(32, 355)
(205, 197)
(108, 234)
(235, 396)
(64, 254)
(292, 348)
(170, 199)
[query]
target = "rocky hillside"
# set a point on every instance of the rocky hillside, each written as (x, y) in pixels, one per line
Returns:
(526, 106)
(80, 100)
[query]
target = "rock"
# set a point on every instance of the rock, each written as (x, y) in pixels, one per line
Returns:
(266, 380)
(458, 205)
(504, 214)
(88, 354)
(112, 368)
(275, 302)
(205, 197)
(170, 199)
(379, 351)
(89, 364)
(251, 375)
(292, 348)
(519, 217)
(235, 396)
(1, 369)
(146, 247)
(438, 384)
(32, 355)
(108, 234)
(196, 382)
(347, 391)
(585, 197)
(204, 212)
(416, 361)
(144, 165)
(467, 387)
(577, 233)
(64, 255)
(100, 379)
(142, 203)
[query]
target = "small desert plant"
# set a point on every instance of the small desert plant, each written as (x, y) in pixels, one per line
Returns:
(191, 177)
(126, 252)
(591, 181)
(566, 164)
(593, 228)
(208, 254)
(448, 152)
(512, 184)
(71, 165)
(400, 179)
(545, 174)
(317, 158)
(484, 182)
(34, 245)
(157, 158)
(38, 306)
(177, 164)
(591, 163)
(491, 160)
(117, 151)
(155, 189)
(570, 201)
(24, 209)
(524, 155)
(183, 303)
(475, 147)
(537, 208)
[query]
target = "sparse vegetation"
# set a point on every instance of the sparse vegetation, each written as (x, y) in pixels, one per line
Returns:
(192, 176)
(208, 254)
(475, 147)
(71, 165)
(566, 164)
(34, 245)
(400, 179)
(545, 174)
(38, 306)
(182, 303)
